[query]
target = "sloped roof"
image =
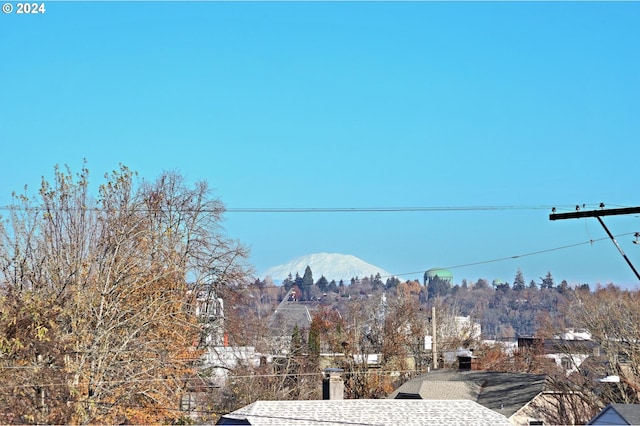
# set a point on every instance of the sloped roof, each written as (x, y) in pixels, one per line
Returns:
(288, 315)
(629, 413)
(504, 393)
(450, 390)
(365, 412)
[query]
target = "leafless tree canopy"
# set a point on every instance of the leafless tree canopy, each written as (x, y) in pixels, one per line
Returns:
(96, 296)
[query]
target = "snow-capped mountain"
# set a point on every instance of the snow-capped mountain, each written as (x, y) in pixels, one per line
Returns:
(332, 265)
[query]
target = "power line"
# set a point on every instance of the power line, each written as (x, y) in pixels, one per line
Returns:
(502, 259)
(299, 209)
(379, 209)
(373, 209)
(566, 207)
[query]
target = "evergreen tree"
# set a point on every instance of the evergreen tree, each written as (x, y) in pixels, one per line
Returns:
(307, 283)
(481, 283)
(392, 282)
(584, 287)
(438, 287)
(377, 282)
(288, 282)
(533, 285)
(365, 282)
(314, 340)
(518, 282)
(323, 284)
(502, 286)
(547, 281)
(296, 341)
(341, 288)
(307, 279)
(563, 287)
(298, 280)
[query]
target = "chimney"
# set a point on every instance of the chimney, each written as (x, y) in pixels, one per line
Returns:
(332, 384)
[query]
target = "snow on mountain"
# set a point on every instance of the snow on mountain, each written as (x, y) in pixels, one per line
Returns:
(332, 265)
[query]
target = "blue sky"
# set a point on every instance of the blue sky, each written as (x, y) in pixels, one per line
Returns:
(350, 105)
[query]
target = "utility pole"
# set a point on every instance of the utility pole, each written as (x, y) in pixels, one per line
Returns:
(598, 215)
(433, 331)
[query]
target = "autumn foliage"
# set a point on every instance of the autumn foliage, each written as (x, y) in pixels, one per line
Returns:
(97, 320)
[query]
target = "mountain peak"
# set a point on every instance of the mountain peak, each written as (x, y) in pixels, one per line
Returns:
(332, 266)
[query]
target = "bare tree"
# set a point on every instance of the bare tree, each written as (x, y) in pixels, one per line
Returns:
(612, 317)
(123, 269)
(576, 390)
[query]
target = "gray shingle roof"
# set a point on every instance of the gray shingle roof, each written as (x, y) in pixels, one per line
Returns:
(290, 314)
(365, 412)
(437, 389)
(504, 393)
(628, 412)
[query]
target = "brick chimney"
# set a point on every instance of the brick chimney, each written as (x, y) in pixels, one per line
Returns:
(332, 384)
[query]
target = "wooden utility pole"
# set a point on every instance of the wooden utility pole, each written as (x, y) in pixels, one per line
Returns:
(598, 214)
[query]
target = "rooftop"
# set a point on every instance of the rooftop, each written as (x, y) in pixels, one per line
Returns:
(504, 393)
(365, 412)
(629, 413)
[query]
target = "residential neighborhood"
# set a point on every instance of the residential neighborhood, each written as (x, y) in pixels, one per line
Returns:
(316, 213)
(122, 342)
(528, 380)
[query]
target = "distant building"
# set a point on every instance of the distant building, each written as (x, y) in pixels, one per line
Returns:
(468, 329)
(289, 314)
(439, 274)
(568, 354)
(217, 361)
(209, 309)
(219, 357)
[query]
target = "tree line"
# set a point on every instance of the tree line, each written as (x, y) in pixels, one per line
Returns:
(504, 310)
(310, 290)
